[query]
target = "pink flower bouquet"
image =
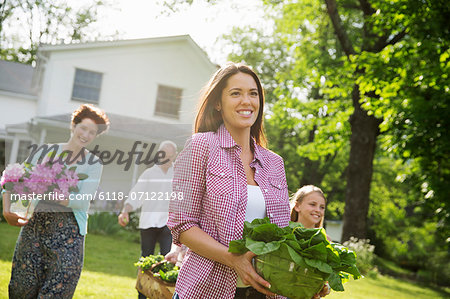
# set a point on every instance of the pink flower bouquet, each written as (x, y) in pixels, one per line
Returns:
(51, 176)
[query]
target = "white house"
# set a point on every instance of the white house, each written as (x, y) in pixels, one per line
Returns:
(148, 87)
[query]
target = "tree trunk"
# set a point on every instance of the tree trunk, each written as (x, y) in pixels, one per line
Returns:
(365, 129)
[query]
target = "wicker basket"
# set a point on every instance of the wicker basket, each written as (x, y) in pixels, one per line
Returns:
(153, 287)
(287, 278)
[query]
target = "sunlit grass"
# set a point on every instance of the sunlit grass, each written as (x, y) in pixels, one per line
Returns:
(5, 273)
(385, 287)
(102, 285)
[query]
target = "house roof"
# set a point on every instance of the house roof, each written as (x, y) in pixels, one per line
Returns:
(130, 42)
(16, 77)
(129, 127)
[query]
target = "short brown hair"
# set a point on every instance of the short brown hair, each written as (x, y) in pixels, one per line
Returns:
(209, 119)
(96, 114)
(298, 197)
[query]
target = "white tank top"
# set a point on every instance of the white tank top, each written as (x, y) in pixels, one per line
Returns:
(256, 205)
(256, 208)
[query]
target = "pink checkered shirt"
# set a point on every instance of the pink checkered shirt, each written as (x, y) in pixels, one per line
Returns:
(211, 177)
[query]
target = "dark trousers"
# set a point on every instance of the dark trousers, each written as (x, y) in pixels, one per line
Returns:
(241, 293)
(48, 258)
(149, 237)
(248, 293)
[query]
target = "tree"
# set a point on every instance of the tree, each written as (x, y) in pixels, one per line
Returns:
(367, 58)
(25, 24)
(385, 64)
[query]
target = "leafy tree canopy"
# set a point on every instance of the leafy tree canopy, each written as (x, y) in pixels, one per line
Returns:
(25, 24)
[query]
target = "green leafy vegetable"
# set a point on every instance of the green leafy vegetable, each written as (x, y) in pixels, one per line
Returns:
(145, 263)
(297, 261)
(164, 270)
(169, 276)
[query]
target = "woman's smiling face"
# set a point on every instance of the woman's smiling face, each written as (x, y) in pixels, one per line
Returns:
(240, 102)
(84, 132)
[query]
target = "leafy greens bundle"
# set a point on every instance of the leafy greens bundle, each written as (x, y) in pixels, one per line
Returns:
(160, 268)
(302, 248)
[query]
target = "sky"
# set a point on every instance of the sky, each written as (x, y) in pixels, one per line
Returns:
(205, 23)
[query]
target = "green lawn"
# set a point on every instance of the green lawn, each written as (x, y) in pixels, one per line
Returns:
(109, 273)
(385, 287)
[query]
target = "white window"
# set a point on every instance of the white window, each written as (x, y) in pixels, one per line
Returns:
(168, 101)
(86, 86)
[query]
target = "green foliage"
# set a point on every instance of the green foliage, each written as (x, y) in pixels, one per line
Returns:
(280, 272)
(160, 268)
(169, 276)
(103, 223)
(146, 262)
(335, 210)
(256, 48)
(399, 59)
(43, 22)
(416, 248)
(402, 227)
(106, 223)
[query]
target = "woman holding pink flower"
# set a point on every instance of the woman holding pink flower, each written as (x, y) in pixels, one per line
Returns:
(12, 174)
(48, 257)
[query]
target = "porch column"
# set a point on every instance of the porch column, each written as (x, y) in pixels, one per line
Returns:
(14, 149)
(43, 135)
(135, 168)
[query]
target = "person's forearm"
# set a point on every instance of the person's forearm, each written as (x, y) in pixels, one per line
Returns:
(203, 244)
(127, 208)
(6, 202)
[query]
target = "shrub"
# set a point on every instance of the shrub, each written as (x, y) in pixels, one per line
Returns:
(365, 257)
(103, 223)
(437, 268)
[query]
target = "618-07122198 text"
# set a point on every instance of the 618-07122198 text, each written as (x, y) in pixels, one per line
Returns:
(140, 196)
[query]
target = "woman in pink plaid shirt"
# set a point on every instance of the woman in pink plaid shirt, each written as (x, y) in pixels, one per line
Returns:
(225, 176)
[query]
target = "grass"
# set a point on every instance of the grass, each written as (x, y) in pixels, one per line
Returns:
(389, 267)
(386, 287)
(102, 285)
(109, 273)
(110, 255)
